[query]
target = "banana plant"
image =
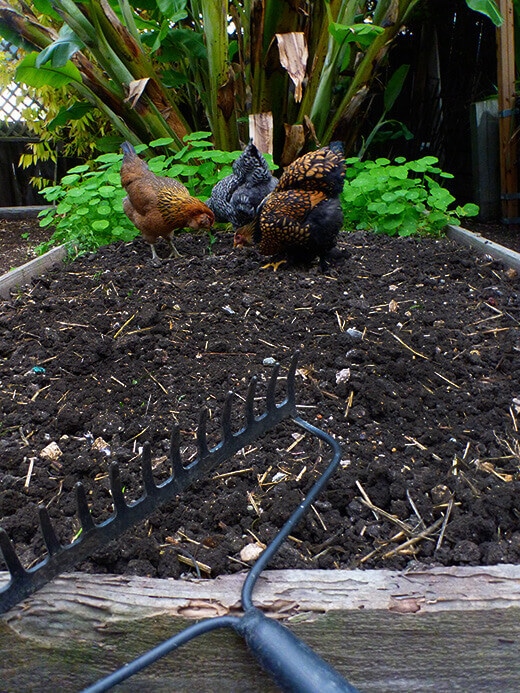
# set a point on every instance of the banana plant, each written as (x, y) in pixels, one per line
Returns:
(164, 69)
(98, 58)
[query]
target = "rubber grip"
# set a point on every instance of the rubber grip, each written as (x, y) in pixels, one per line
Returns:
(292, 665)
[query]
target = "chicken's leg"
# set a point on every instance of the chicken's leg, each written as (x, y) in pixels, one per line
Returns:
(155, 257)
(174, 252)
(274, 265)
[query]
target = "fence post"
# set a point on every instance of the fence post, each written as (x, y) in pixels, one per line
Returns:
(506, 112)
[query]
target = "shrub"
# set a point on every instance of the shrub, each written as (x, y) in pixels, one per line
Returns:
(400, 198)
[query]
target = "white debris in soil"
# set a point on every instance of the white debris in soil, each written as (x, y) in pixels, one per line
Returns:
(342, 376)
(100, 445)
(251, 552)
(51, 452)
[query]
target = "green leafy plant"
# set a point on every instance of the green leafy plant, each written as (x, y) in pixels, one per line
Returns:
(181, 65)
(73, 130)
(87, 211)
(87, 207)
(164, 69)
(400, 198)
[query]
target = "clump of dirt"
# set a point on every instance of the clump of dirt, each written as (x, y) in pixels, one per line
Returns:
(409, 356)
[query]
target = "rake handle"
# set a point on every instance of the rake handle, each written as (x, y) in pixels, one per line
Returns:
(292, 665)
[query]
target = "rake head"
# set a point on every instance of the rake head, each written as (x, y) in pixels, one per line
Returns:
(24, 582)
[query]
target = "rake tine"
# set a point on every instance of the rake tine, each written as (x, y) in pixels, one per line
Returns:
(227, 432)
(271, 390)
(291, 374)
(49, 535)
(85, 518)
(120, 506)
(63, 557)
(202, 442)
(250, 401)
(11, 559)
(146, 470)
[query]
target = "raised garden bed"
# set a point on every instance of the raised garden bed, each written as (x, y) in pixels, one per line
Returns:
(440, 629)
(409, 355)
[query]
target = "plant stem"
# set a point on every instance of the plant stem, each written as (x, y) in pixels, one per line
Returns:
(220, 107)
(365, 72)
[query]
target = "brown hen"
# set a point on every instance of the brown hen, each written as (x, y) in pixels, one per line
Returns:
(159, 206)
(302, 217)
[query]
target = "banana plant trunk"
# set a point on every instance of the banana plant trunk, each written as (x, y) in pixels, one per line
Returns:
(219, 96)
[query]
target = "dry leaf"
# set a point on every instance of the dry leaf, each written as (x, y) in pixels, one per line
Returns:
(293, 56)
(294, 141)
(135, 90)
(392, 14)
(226, 96)
(100, 445)
(261, 131)
(310, 128)
(440, 494)
(490, 469)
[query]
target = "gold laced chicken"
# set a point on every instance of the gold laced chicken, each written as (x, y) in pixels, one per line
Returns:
(300, 220)
(159, 206)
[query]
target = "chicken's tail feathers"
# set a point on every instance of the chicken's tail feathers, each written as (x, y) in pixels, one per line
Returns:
(337, 147)
(128, 149)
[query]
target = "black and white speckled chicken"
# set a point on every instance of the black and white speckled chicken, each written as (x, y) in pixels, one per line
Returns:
(236, 198)
(159, 206)
(301, 218)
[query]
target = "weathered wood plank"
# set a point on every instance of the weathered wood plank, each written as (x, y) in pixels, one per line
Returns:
(84, 603)
(506, 104)
(436, 629)
(376, 650)
(23, 274)
(23, 212)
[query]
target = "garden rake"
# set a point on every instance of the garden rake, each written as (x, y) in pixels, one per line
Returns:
(291, 664)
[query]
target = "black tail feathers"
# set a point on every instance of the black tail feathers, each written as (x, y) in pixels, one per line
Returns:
(337, 147)
(128, 149)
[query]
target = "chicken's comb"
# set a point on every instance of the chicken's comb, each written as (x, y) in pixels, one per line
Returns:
(24, 582)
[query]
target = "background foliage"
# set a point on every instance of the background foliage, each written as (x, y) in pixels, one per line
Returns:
(167, 68)
(297, 73)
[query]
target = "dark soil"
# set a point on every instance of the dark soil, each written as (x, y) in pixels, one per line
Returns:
(507, 235)
(410, 354)
(18, 238)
